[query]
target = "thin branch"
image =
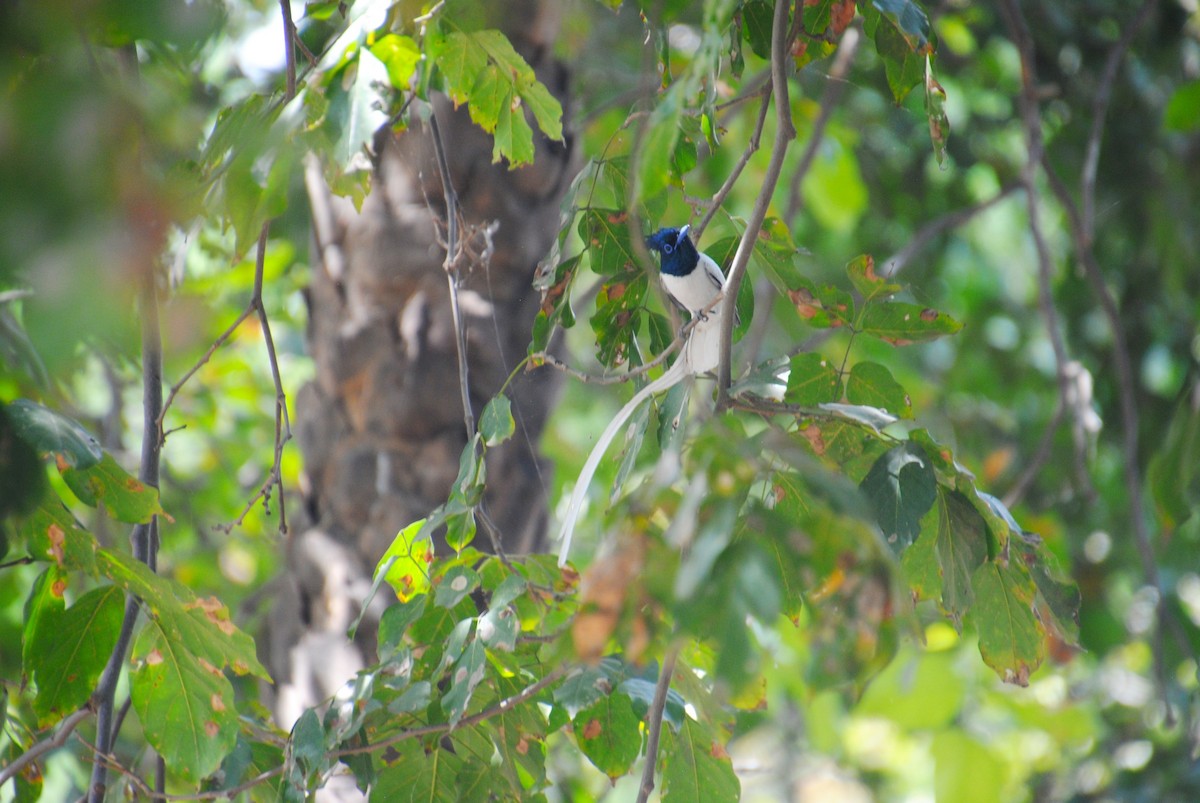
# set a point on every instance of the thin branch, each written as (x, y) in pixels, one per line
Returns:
(829, 100)
(283, 426)
(65, 729)
(899, 260)
(452, 277)
(144, 536)
(499, 708)
(784, 134)
(654, 718)
(289, 50)
(1035, 146)
(1034, 465)
(1126, 388)
(1126, 382)
(178, 386)
(502, 707)
(751, 148)
(1091, 160)
(632, 373)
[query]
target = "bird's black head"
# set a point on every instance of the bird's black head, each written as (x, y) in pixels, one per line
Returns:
(679, 256)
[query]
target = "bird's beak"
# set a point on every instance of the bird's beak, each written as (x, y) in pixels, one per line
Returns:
(682, 234)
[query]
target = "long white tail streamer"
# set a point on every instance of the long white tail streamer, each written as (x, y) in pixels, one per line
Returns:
(700, 353)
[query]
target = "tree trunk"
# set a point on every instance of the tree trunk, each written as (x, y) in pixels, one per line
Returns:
(381, 426)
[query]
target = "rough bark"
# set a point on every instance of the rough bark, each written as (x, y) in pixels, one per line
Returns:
(381, 426)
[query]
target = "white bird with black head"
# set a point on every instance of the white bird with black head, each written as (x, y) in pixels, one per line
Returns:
(693, 281)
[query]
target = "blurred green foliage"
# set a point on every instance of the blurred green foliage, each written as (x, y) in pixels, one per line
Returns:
(152, 134)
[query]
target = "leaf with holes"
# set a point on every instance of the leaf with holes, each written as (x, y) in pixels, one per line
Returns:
(901, 487)
(901, 323)
(812, 380)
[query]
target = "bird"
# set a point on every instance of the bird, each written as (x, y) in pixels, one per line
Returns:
(691, 278)
(693, 281)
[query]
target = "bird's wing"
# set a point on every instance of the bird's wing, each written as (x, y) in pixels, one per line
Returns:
(714, 274)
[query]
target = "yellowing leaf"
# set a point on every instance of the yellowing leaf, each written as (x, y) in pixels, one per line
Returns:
(406, 562)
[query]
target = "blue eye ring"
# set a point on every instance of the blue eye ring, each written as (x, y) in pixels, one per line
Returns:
(668, 248)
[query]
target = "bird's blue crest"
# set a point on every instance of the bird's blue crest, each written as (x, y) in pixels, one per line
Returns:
(679, 255)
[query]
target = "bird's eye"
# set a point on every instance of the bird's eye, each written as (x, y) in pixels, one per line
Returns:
(668, 248)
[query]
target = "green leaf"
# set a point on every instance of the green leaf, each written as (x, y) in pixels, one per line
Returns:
(400, 55)
(870, 286)
(1171, 477)
(822, 306)
(47, 602)
(50, 534)
(53, 434)
(405, 564)
(483, 70)
(900, 323)
(202, 626)
(1183, 108)
(873, 384)
(960, 546)
(125, 497)
(757, 18)
(696, 766)
(496, 425)
(308, 742)
(71, 649)
(413, 774)
(652, 161)
(395, 623)
(909, 20)
(1011, 639)
(609, 249)
(184, 702)
(618, 313)
(607, 733)
(901, 487)
(813, 380)
(455, 584)
(22, 474)
(499, 627)
(935, 111)
(469, 670)
(361, 110)
(582, 687)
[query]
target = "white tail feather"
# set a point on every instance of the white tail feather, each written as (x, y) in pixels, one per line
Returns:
(700, 353)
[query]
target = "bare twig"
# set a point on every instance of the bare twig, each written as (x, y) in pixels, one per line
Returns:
(144, 536)
(452, 276)
(502, 707)
(654, 717)
(178, 386)
(829, 100)
(1126, 382)
(1035, 146)
(289, 50)
(283, 426)
(65, 729)
(899, 260)
(784, 134)
(751, 148)
(1091, 159)
(632, 373)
